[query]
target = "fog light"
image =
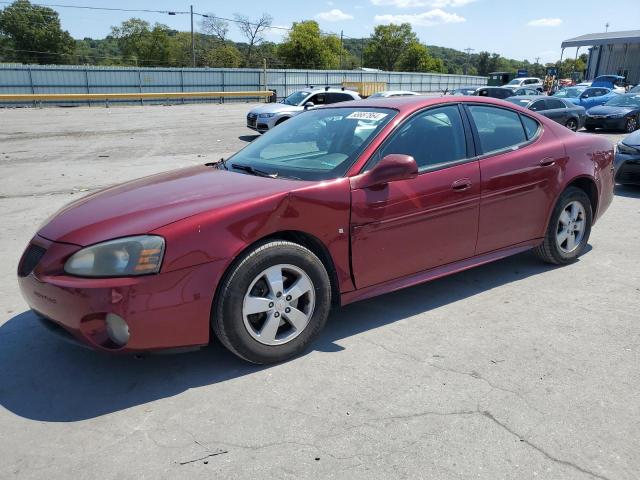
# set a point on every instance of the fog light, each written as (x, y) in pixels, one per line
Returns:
(117, 329)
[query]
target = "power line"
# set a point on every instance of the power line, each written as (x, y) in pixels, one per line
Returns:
(86, 7)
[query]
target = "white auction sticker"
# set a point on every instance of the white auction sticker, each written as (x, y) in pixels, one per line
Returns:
(367, 115)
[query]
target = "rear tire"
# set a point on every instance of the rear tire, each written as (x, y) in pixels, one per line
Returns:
(572, 124)
(272, 303)
(568, 230)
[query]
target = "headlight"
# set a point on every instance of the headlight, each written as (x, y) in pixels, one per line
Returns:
(624, 148)
(265, 115)
(122, 257)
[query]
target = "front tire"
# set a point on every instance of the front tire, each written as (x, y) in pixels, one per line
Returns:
(274, 301)
(568, 230)
(631, 125)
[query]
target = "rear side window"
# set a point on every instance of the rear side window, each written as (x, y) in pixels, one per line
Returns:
(434, 137)
(531, 127)
(334, 97)
(552, 103)
(497, 128)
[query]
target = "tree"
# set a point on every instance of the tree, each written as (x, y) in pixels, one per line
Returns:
(253, 31)
(483, 63)
(306, 47)
(32, 34)
(387, 44)
(223, 56)
(416, 58)
(214, 26)
(143, 45)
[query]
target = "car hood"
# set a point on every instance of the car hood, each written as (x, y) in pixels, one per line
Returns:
(275, 108)
(608, 110)
(144, 205)
(633, 139)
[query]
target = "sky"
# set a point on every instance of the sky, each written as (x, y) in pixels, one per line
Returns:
(512, 29)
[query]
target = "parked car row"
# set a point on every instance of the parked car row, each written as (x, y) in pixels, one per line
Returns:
(557, 109)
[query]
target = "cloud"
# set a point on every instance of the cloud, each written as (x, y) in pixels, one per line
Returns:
(545, 22)
(334, 15)
(421, 3)
(426, 19)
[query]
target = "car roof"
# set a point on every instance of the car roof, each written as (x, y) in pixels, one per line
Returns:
(531, 98)
(327, 89)
(416, 102)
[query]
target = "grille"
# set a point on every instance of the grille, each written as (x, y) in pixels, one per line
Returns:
(30, 259)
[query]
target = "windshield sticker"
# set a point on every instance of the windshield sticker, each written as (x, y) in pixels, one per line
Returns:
(367, 116)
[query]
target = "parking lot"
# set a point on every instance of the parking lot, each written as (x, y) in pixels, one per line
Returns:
(513, 370)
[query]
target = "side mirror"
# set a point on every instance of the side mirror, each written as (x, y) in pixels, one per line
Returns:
(391, 168)
(308, 105)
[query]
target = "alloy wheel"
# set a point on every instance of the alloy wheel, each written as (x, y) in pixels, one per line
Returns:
(632, 125)
(278, 304)
(572, 125)
(571, 227)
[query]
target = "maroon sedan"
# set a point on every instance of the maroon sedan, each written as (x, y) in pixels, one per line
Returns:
(336, 205)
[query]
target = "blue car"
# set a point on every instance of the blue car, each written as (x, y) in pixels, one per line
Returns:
(592, 97)
(613, 82)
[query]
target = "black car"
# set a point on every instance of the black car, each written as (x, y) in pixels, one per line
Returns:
(559, 110)
(494, 92)
(619, 113)
(627, 161)
(464, 91)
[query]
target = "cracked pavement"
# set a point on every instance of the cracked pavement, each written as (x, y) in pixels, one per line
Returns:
(513, 370)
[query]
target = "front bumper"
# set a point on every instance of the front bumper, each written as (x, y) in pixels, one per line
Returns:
(606, 123)
(627, 168)
(163, 311)
(259, 125)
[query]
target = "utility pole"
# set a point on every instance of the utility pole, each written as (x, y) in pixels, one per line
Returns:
(468, 50)
(193, 44)
(341, 39)
(606, 27)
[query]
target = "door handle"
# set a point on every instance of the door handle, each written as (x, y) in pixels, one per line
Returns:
(461, 185)
(547, 162)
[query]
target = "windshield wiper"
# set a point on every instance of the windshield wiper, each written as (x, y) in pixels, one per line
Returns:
(253, 171)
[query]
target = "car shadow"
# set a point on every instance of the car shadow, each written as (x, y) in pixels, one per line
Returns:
(631, 191)
(45, 379)
(248, 138)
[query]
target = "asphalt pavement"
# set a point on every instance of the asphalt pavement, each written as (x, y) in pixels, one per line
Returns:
(513, 370)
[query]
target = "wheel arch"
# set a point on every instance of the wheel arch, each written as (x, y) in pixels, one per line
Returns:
(304, 239)
(588, 186)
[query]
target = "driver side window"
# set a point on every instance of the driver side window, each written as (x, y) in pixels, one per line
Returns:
(318, 99)
(434, 137)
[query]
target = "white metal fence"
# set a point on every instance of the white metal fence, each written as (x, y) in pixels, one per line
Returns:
(50, 79)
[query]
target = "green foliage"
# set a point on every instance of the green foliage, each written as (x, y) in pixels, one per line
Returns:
(225, 55)
(416, 58)
(386, 45)
(306, 47)
(142, 45)
(32, 34)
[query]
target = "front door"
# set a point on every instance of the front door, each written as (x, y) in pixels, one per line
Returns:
(410, 226)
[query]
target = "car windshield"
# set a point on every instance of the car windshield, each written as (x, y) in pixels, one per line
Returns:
(319, 144)
(515, 81)
(296, 98)
(629, 100)
(572, 92)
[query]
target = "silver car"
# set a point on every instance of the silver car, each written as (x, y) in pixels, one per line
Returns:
(267, 116)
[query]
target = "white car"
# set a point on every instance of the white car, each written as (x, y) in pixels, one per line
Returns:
(394, 93)
(267, 116)
(528, 82)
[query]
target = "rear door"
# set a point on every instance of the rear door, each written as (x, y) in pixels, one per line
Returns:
(556, 110)
(414, 225)
(519, 164)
